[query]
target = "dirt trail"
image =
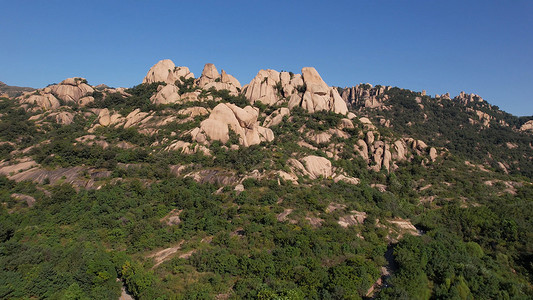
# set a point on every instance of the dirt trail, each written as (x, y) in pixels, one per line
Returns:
(164, 255)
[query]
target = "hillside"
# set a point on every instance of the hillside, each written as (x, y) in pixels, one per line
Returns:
(187, 187)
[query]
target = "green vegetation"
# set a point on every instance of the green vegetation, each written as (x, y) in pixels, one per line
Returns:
(447, 123)
(275, 239)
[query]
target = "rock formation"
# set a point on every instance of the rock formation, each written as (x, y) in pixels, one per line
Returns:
(380, 153)
(307, 90)
(42, 100)
(467, 98)
(276, 117)
(226, 116)
(70, 90)
(317, 166)
(364, 95)
(528, 126)
(166, 94)
(269, 86)
(73, 90)
(210, 78)
(166, 71)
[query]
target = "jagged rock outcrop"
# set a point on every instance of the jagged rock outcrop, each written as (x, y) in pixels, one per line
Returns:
(318, 96)
(346, 123)
(135, 117)
(193, 111)
(365, 95)
(270, 86)
(400, 150)
(467, 98)
(307, 90)
(106, 118)
(226, 116)
(315, 167)
(312, 166)
(166, 71)
(380, 153)
(210, 78)
(443, 96)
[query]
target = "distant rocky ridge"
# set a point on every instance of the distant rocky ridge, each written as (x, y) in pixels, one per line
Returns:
(12, 91)
(364, 95)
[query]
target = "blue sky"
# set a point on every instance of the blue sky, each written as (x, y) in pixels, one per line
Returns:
(483, 47)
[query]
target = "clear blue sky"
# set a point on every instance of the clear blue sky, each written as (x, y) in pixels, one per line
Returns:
(484, 47)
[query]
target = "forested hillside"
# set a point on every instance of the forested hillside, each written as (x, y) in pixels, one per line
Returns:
(200, 188)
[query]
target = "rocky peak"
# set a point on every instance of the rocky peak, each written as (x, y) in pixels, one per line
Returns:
(210, 72)
(75, 89)
(314, 82)
(262, 88)
(166, 71)
(210, 78)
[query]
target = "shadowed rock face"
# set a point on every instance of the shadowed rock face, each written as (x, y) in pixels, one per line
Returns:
(364, 95)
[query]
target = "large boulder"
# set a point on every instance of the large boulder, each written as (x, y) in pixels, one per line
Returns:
(62, 117)
(44, 101)
(226, 116)
(166, 94)
(317, 166)
(362, 148)
(433, 154)
(166, 71)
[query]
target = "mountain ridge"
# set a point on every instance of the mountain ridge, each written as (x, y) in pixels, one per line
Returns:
(283, 187)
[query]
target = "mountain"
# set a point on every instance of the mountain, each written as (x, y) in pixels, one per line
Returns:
(13, 91)
(186, 187)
